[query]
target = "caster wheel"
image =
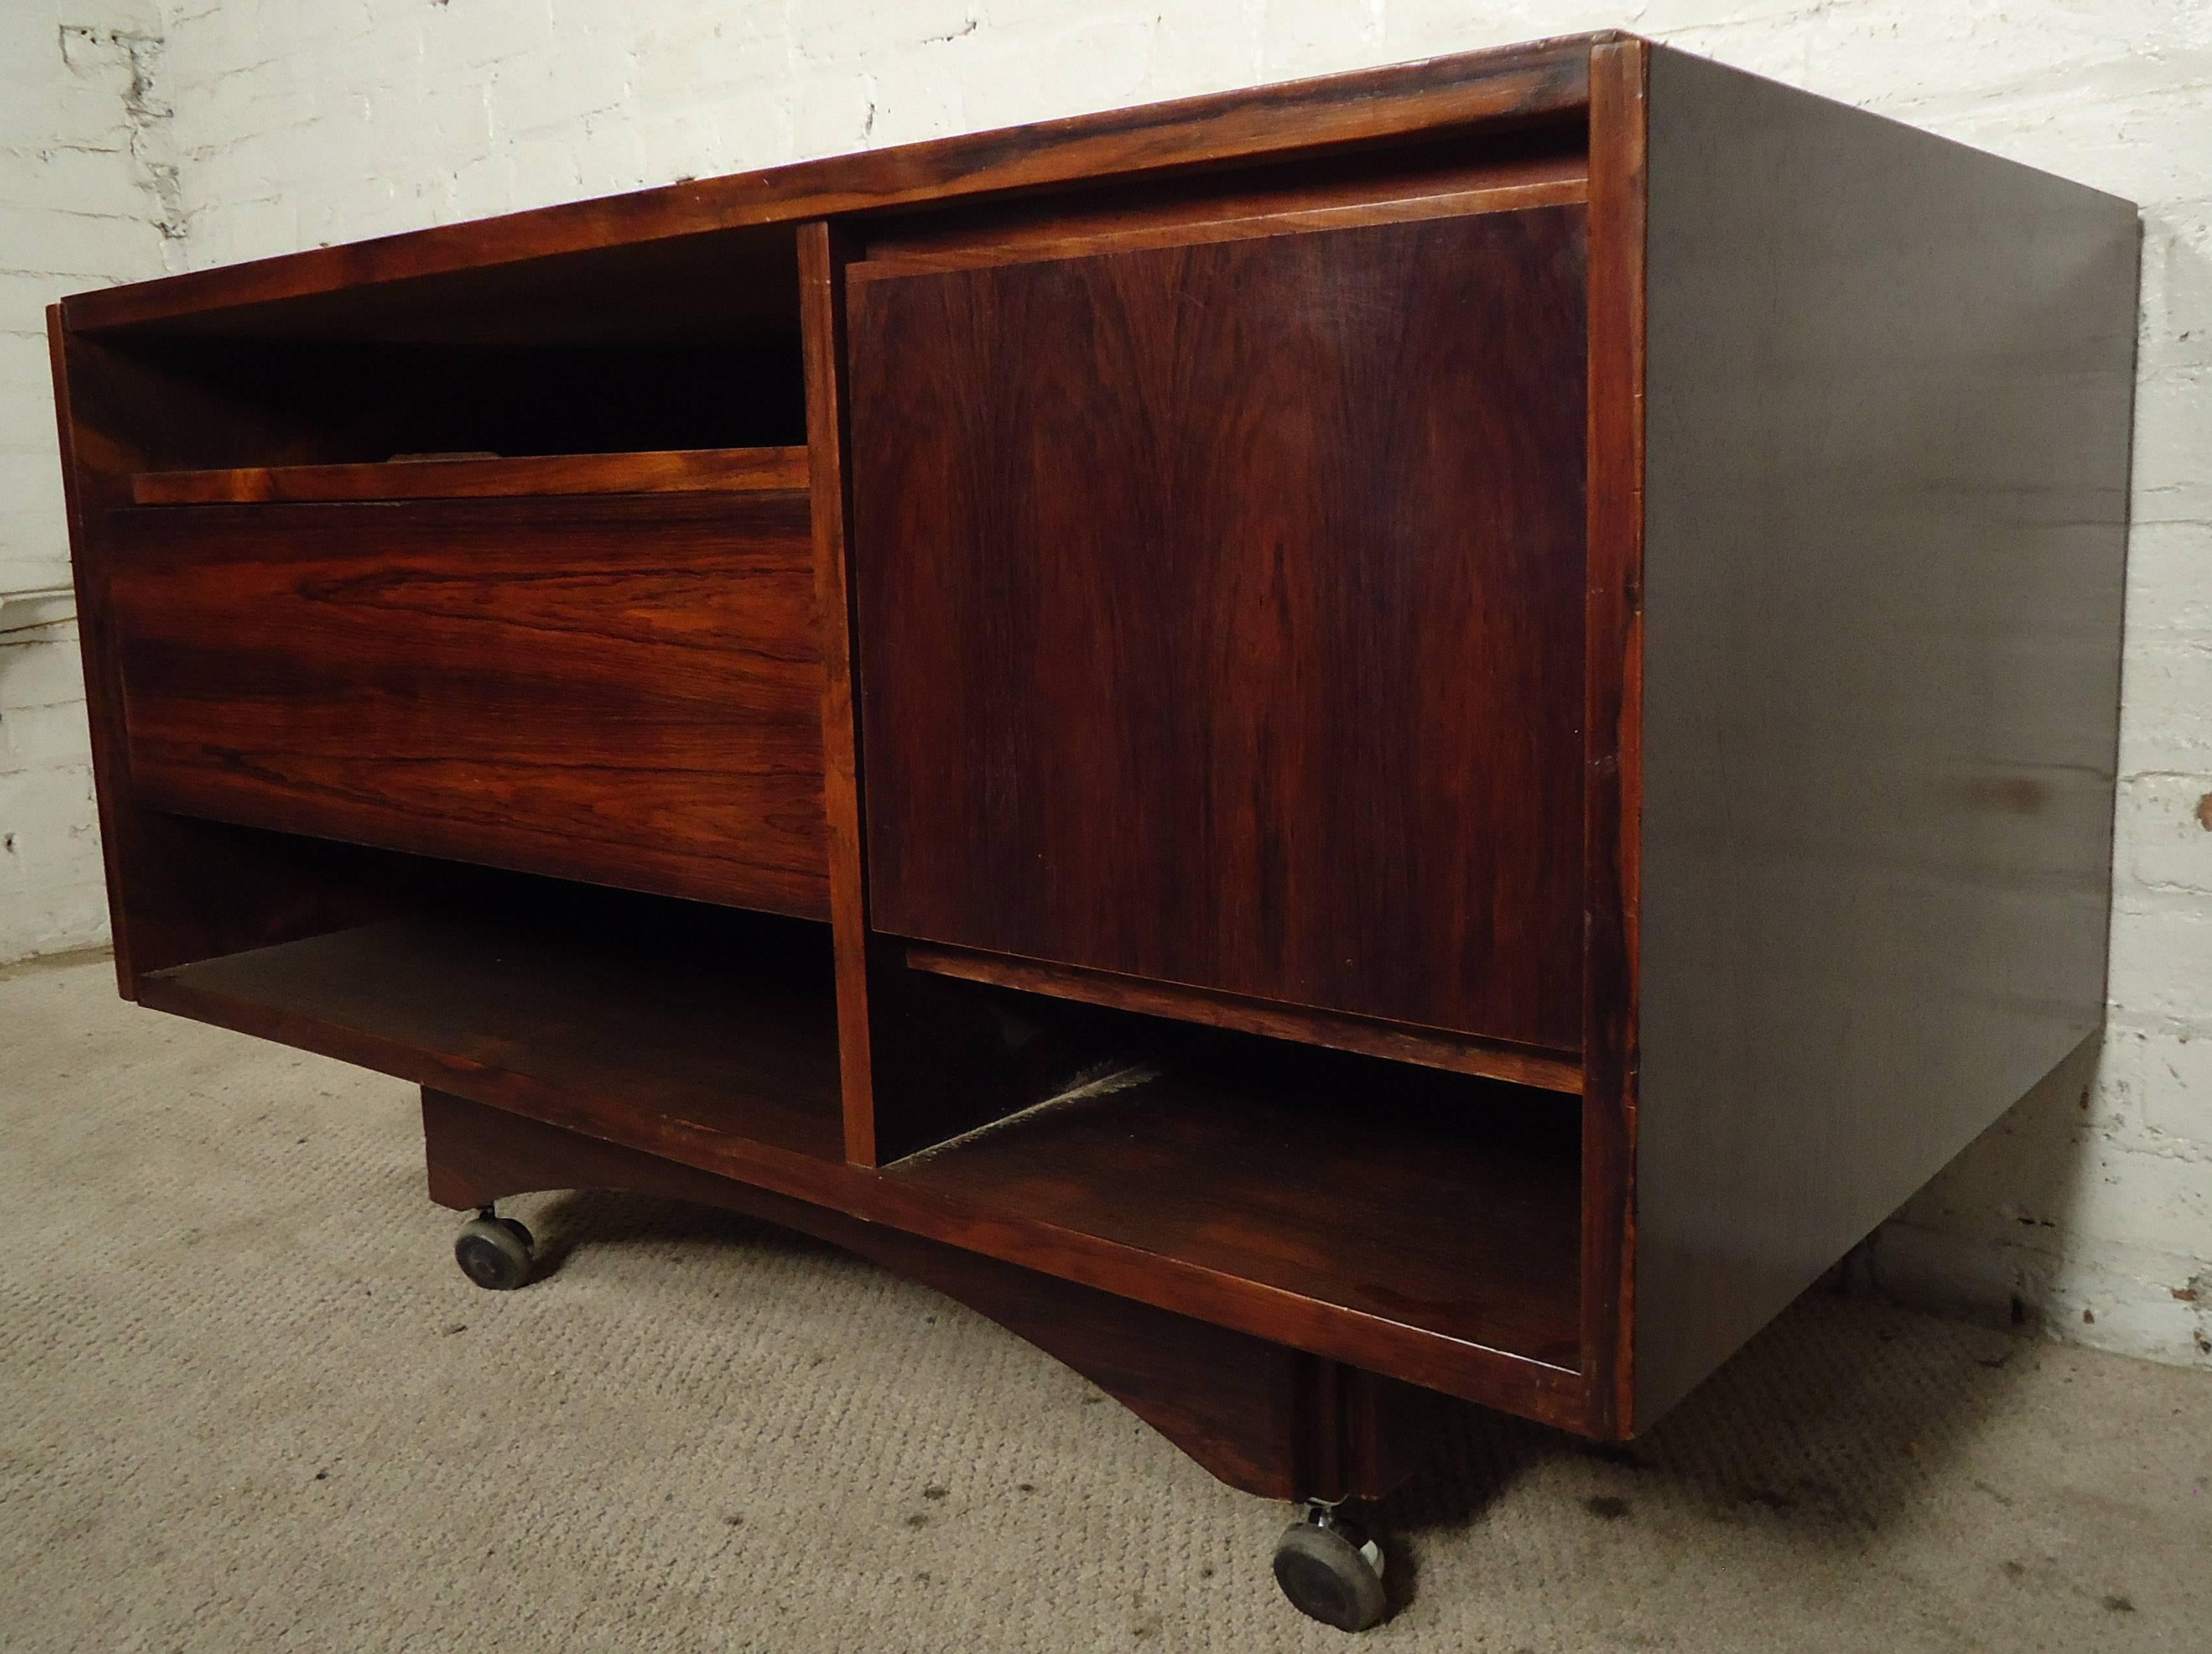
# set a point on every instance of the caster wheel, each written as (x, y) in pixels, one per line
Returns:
(1331, 1572)
(495, 1253)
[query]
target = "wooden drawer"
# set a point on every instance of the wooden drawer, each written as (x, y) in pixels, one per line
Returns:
(623, 690)
(1221, 607)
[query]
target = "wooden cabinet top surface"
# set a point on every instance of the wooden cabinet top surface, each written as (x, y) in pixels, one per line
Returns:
(1543, 80)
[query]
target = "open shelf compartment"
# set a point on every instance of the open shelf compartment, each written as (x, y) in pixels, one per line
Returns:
(712, 1033)
(1422, 1223)
(1438, 1200)
(1495, 1059)
(654, 351)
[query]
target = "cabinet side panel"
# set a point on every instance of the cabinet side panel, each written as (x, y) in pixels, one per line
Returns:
(1890, 391)
(1613, 724)
(178, 889)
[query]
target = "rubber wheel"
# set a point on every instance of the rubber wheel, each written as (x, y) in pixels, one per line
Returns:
(1327, 1578)
(494, 1253)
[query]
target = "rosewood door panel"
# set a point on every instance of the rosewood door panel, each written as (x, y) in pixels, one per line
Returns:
(1220, 612)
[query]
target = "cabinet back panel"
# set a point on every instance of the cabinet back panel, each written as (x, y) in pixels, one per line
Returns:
(1220, 613)
(624, 691)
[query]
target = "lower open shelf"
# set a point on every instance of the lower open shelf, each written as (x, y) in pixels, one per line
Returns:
(726, 1045)
(1422, 1223)
(1400, 1193)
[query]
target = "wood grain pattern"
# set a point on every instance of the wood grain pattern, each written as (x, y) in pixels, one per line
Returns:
(1614, 731)
(1569, 553)
(1220, 615)
(507, 1018)
(920, 1064)
(1544, 81)
(822, 254)
(710, 1041)
(1429, 1047)
(698, 471)
(178, 889)
(1889, 388)
(626, 691)
(696, 294)
(1265, 1419)
(1330, 1177)
(1543, 169)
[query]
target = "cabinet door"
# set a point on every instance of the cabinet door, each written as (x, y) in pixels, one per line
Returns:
(1221, 612)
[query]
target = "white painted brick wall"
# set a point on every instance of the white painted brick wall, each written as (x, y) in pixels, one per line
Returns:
(301, 122)
(86, 189)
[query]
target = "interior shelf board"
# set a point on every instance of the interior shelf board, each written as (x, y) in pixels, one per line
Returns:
(1385, 1206)
(1371, 1222)
(686, 470)
(1490, 1059)
(706, 1049)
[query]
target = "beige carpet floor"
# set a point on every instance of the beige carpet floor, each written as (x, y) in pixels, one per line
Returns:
(248, 1401)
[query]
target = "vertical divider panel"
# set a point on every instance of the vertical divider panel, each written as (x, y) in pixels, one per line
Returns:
(1613, 793)
(824, 251)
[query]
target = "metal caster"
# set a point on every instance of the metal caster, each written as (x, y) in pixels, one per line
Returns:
(1330, 1569)
(493, 1251)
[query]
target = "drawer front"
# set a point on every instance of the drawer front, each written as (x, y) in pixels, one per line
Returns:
(1220, 613)
(626, 691)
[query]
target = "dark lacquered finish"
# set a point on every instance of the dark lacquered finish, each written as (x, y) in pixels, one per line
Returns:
(728, 1038)
(1220, 614)
(707, 1040)
(177, 888)
(702, 238)
(1885, 496)
(823, 251)
(1263, 1418)
(1490, 1059)
(1326, 1176)
(1612, 727)
(625, 690)
(1568, 566)
(697, 470)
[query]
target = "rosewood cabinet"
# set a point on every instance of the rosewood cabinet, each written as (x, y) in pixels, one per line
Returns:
(1431, 731)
